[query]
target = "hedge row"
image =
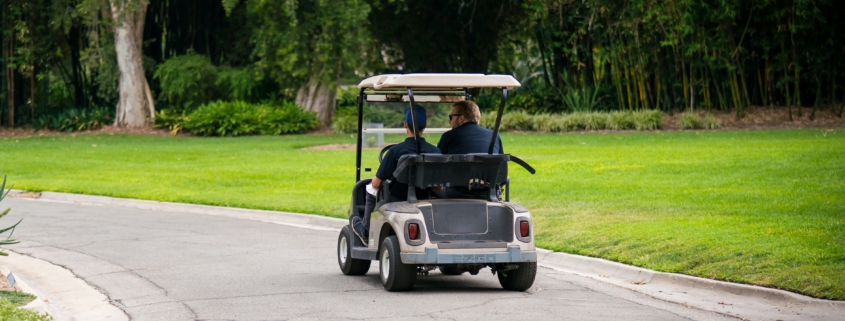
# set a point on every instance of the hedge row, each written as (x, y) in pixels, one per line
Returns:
(238, 118)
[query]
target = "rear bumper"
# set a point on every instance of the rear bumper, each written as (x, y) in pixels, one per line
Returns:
(431, 256)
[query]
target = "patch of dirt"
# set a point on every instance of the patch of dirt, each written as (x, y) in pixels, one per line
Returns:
(4, 284)
(29, 132)
(769, 118)
(332, 147)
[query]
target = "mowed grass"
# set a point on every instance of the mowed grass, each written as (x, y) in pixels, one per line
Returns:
(758, 207)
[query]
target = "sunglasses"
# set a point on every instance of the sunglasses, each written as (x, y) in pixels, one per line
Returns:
(453, 115)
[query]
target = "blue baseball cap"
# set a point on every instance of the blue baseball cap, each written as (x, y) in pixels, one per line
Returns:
(421, 117)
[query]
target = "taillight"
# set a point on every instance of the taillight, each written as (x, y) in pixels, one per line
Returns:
(414, 231)
(523, 228)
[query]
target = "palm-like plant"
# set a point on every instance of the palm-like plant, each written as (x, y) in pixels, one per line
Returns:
(11, 229)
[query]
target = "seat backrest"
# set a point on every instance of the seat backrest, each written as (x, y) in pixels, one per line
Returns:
(430, 170)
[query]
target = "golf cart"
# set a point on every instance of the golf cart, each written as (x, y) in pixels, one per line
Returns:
(416, 233)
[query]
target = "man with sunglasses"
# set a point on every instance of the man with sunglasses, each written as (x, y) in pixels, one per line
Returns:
(467, 136)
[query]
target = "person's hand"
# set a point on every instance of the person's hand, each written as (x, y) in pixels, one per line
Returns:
(371, 190)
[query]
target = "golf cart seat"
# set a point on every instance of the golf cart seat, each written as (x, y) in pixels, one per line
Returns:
(470, 171)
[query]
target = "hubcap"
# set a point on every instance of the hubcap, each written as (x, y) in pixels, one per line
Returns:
(385, 265)
(341, 250)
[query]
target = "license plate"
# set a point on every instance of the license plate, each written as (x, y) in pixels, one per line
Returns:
(475, 258)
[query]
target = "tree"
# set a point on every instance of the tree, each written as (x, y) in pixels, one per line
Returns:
(308, 45)
(442, 35)
(136, 101)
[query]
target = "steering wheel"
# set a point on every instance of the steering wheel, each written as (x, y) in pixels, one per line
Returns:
(383, 150)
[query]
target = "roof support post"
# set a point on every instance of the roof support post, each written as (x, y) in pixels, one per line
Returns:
(498, 121)
(414, 119)
(360, 135)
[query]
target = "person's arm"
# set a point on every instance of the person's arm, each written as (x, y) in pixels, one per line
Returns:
(385, 169)
(376, 182)
(441, 145)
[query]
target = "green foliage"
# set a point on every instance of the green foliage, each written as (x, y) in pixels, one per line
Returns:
(595, 121)
(345, 119)
(620, 120)
(10, 311)
(583, 99)
(518, 120)
(171, 120)
(236, 83)
(711, 122)
(189, 80)
(648, 120)
(11, 229)
(689, 121)
(77, 119)
(17, 298)
(239, 118)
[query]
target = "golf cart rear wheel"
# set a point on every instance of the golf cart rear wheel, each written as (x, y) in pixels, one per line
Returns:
(519, 279)
(395, 275)
(348, 265)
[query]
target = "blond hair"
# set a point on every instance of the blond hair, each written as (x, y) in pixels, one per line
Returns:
(468, 109)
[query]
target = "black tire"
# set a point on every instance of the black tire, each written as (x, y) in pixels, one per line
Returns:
(348, 265)
(450, 270)
(395, 275)
(520, 279)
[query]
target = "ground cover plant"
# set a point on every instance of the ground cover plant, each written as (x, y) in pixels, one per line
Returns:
(758, 207)
(10, 311)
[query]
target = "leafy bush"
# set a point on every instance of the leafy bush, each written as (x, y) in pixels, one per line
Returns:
(648, 120)
(595, 121)
(689, 121)
(711, 122)
(187, 81)
(11, 229)
(171, 120)
(583, 99)
(519, 120)
(545, 123)
(620, 120)
(238, 84)
(489, 119)
(345, 118)
(77, 119)
(574, 121)
(238, 118)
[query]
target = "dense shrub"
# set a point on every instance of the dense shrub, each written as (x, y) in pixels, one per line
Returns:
(620, 120)
(187, 80)
(581, 100)
(689, 121)
(77, 119)
(648, 120)
(239, 118)
(519, 120)
(711, 122)
(595, 121)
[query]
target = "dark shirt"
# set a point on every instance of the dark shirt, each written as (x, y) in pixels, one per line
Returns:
(388, 164)
(469, 138)
(399, 191)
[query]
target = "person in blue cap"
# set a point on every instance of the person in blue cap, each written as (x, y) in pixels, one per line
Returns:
(360, 225)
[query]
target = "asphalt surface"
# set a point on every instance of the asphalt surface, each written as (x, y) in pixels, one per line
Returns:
(181, 266)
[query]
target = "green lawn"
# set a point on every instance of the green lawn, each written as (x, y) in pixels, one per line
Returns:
(759, 207)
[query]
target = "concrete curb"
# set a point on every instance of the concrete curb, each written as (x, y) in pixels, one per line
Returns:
(59, 292)
(745, 301)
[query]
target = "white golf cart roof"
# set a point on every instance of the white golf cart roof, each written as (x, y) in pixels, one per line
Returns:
(439, 81)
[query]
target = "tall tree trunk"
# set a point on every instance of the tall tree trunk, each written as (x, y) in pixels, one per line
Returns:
(10, 84)
(136, 104)
(318, 96)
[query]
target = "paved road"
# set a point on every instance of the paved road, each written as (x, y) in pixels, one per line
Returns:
(181, 266)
